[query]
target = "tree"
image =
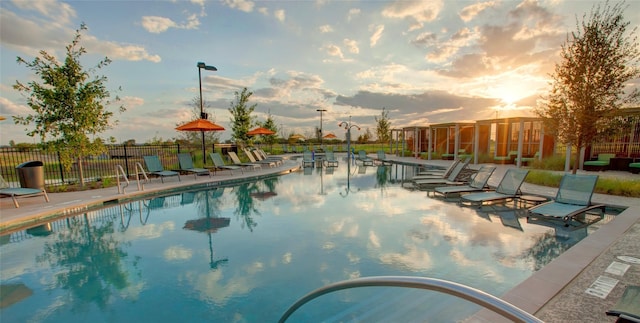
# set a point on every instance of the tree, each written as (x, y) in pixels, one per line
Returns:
(270, 124)
(383, 129)
(70, 105)
(241, 118)
(195, 137)
(588, 86)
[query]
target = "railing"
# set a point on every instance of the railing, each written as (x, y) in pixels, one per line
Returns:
(140, 169)
(120, 172)
(465, 292)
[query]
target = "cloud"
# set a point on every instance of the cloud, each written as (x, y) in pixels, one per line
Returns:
(334, 50)
(325, 29)
(242, 5)
(471, 11)
(377, 33)
(280, 15)
(420, 11)
(351, 45)
(353, 12)
(157, 25)
(59, 12)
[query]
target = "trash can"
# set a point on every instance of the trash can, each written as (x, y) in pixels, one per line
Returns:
(31, 174)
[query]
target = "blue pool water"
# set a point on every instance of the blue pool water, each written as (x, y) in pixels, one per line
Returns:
(246, 253)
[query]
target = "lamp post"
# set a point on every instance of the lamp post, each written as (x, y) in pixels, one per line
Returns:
(203, 115)
(321, 111)
(347, 126)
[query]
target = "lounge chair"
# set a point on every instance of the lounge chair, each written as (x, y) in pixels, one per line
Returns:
(262, 156)
(477, 184)
(186, 165)
(441, 173)
(219, 163)
(307, 159)
(252, 159)
(452, 179)
(16, 192)
(573, 199)
(154, 166)
(366, 160)
(600, 164)
(330, 159)
(627, 308)
(237, 162)
(508, 189)
(382, 158)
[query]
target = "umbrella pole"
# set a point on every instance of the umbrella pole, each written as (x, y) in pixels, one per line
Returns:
(204, 151)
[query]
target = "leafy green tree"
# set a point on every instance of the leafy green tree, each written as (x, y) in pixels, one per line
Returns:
(383, 128)
(195, 137)
(270, 124)
(241, 118)
(588, 88)
(69, 104)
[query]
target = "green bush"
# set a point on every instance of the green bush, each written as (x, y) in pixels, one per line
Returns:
(555, 162)
(609, 186)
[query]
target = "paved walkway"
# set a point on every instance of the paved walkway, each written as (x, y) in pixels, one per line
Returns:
(556, 293)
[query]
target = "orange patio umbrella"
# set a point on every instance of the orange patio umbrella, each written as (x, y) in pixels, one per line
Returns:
(260, 131)
(201, 125)
(330, 136)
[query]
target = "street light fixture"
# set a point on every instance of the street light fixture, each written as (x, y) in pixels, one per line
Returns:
(321, 110)
(203, 115)
(347, 126)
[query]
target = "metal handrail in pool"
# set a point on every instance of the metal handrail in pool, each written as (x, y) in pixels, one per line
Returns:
(465, 292)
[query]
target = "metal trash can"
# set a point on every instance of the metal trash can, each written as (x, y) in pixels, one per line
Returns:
(31, 174)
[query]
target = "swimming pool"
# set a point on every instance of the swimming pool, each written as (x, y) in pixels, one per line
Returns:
(246, 253)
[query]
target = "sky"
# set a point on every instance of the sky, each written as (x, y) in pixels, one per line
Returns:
(424, 62)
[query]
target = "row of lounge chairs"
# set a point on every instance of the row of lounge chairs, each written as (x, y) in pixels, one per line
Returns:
(573, 198)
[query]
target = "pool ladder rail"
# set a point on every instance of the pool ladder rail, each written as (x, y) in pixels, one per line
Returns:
(120, 172)
(476, 296)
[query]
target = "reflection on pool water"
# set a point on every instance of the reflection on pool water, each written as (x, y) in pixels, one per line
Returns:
(246, 253)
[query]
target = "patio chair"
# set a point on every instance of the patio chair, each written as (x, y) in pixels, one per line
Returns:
(16, 192)
(366, 160)
(572, 199)
(219, 163)
(627, 306)
(154, 166)
(452, 179)
(262, 156)
(186, 165)
(237, 162)
(307, 159)
(439, 173)
(477, 184)
(330, 158)
(252, 159)
(508, 189)
(382, 158)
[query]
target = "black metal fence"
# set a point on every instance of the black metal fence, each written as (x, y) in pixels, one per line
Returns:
(94, 168)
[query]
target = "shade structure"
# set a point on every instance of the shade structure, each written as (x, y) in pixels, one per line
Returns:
(200, 125)
(297, 137)
(260, 131)
(330, 136)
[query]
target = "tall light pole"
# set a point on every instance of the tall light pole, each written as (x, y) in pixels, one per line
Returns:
(203, 115)
(321, 110)
(347, 126)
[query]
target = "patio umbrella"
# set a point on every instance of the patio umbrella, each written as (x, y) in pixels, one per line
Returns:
(260, 131)
(330, 136)
(263, 196)
(208, 224)
(201, 125)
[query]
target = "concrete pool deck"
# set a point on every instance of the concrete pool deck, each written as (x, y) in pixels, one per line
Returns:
(556, 293)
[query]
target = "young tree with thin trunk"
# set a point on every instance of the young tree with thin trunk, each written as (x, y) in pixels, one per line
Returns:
(383, 129)
(589, 86)
(69, 104)
(241, 119)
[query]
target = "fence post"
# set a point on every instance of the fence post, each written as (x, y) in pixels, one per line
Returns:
(60, 166)
(126, 159)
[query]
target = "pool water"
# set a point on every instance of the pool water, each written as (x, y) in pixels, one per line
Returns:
(246, 253)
